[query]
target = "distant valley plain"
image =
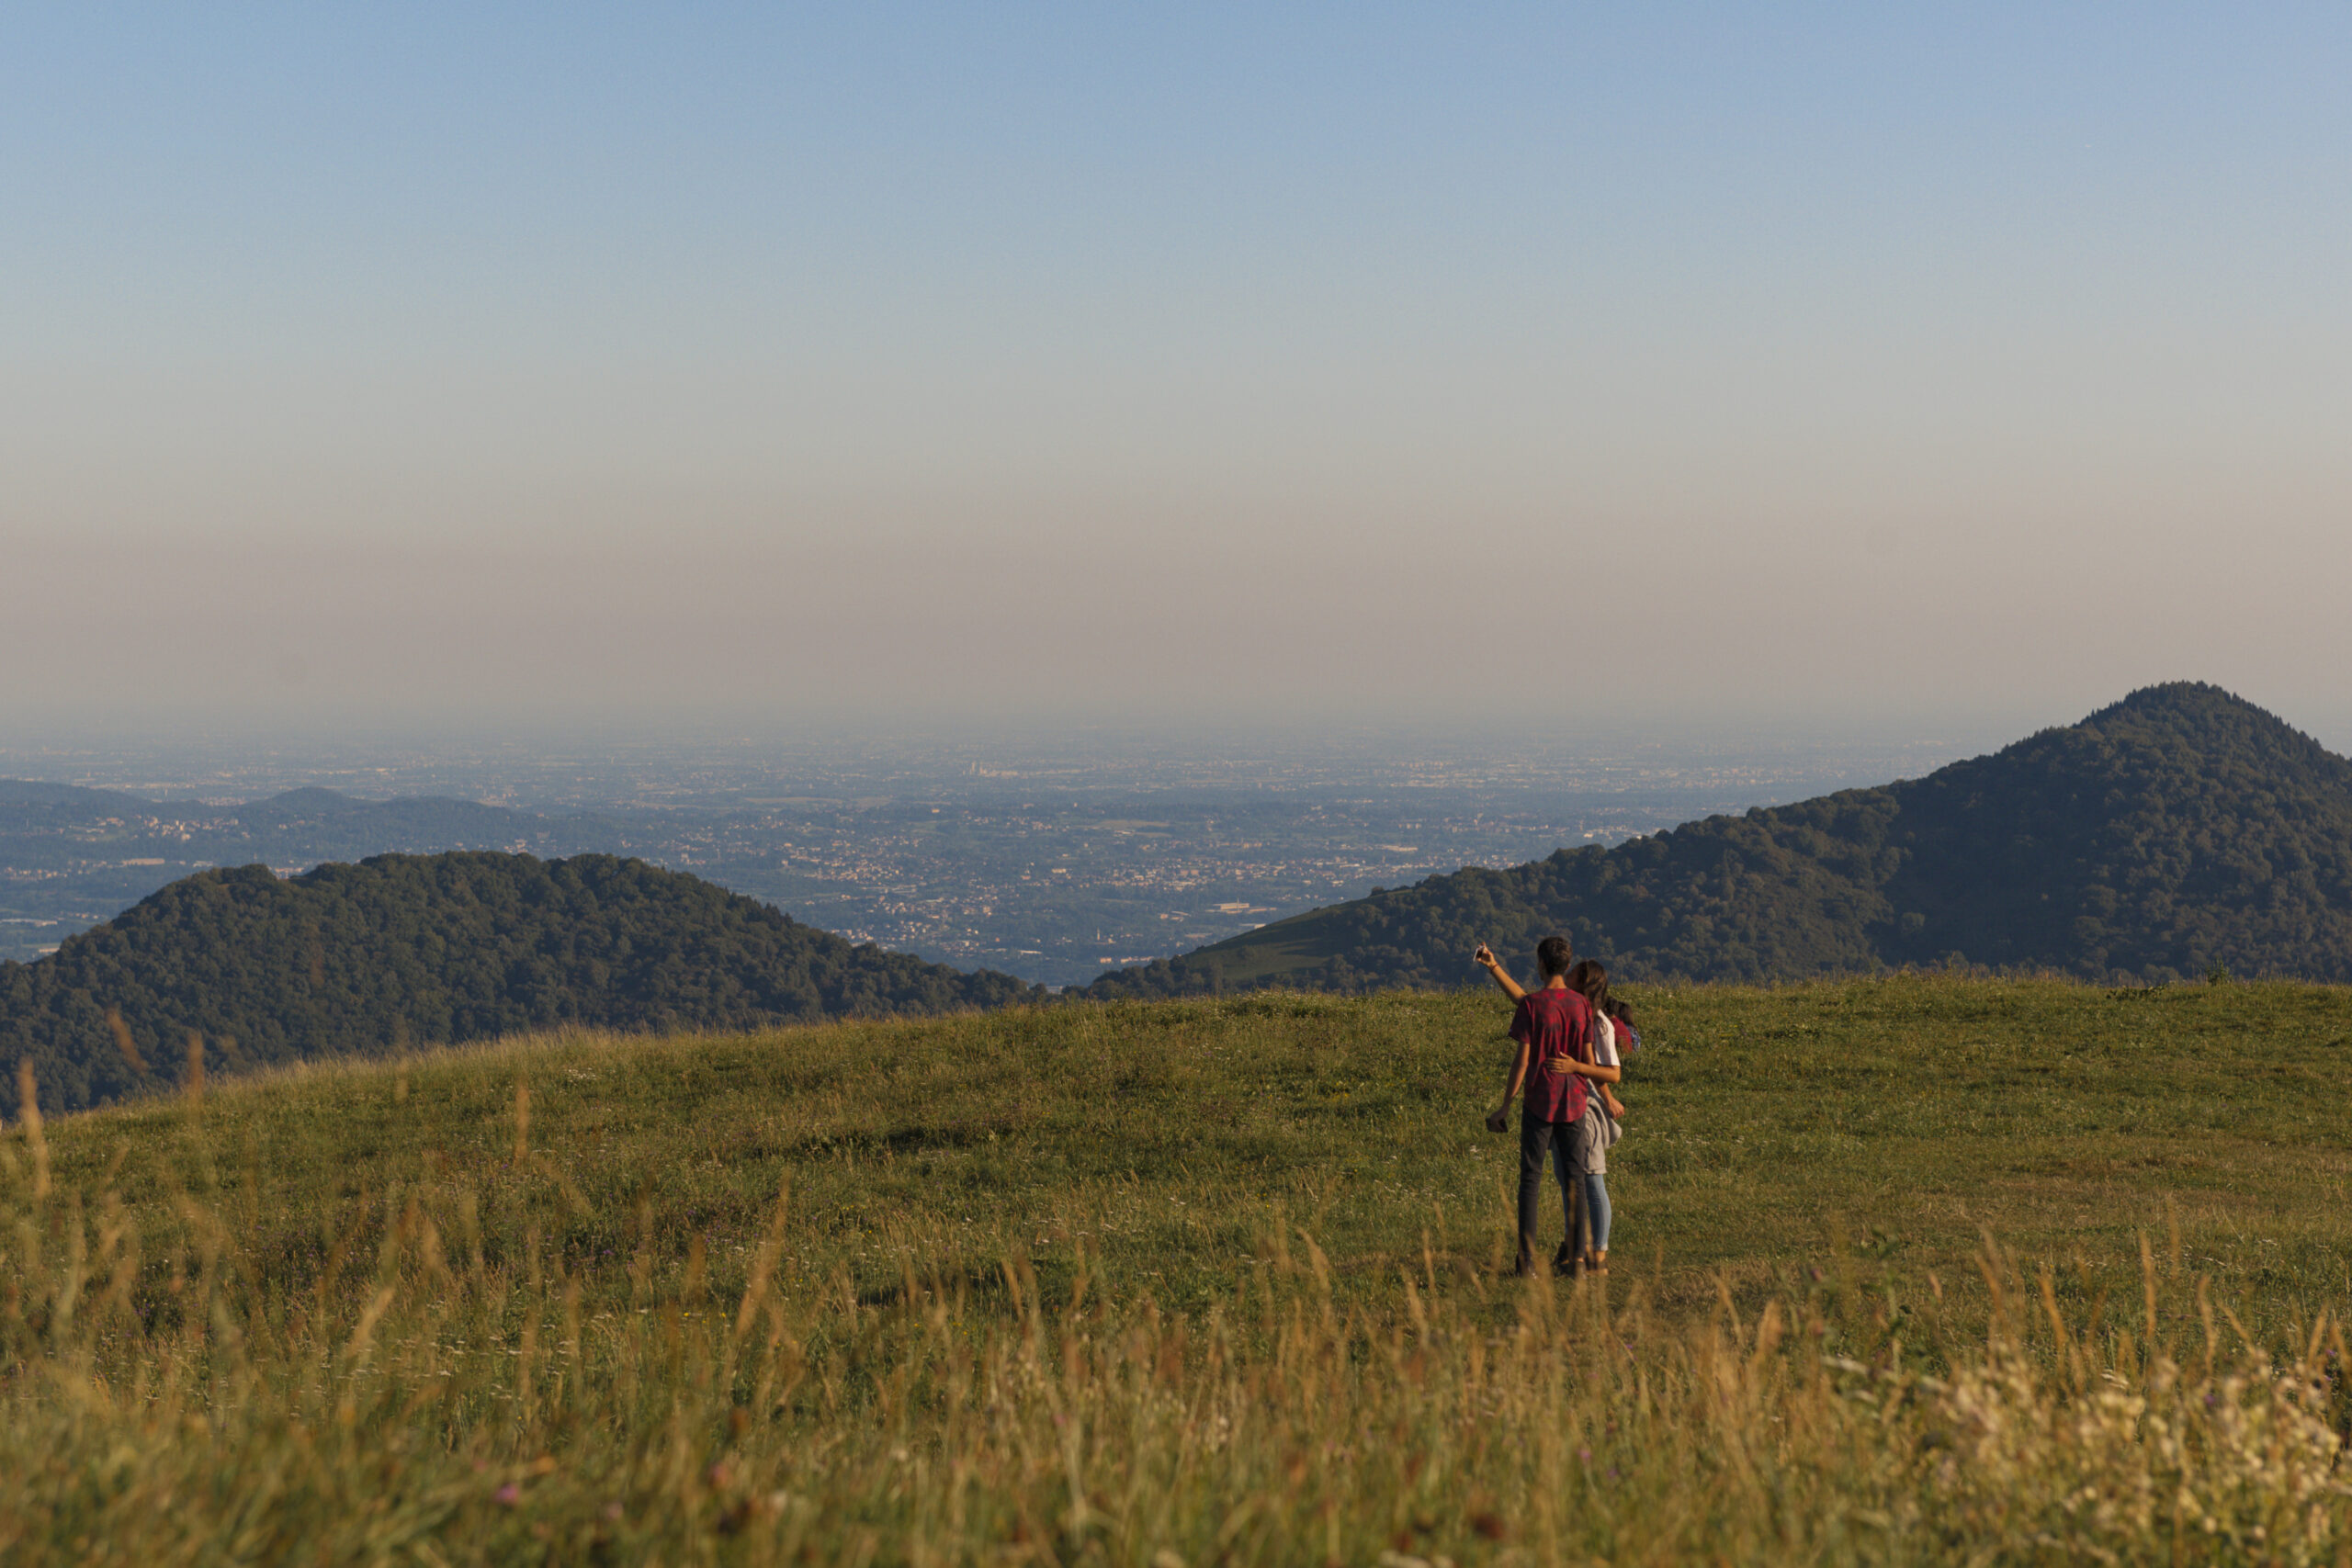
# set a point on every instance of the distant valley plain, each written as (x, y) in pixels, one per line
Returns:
(1053, 860)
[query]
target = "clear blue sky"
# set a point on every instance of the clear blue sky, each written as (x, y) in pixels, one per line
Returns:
(1815, 364)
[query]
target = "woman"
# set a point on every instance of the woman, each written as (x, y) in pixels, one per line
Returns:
(1591, 978)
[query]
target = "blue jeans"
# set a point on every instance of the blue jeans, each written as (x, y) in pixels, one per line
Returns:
(1562, 1142)
(1596, 1209)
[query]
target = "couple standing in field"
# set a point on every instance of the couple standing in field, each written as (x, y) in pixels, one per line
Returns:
(1568, 1033)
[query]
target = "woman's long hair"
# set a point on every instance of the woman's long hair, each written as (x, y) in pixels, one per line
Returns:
(1591, 980)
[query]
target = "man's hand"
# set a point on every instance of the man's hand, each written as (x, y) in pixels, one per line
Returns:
(1485, 957)
(1497, 1119)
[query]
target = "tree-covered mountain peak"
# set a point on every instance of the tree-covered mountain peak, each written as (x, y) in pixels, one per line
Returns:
(2199, 712)
(403, 951)
(2181, 737)
(2178, 830)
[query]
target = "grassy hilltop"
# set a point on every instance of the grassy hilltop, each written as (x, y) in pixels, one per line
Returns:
(1208, 1281)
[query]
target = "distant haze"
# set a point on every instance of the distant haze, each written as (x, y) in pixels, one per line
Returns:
(1693, 367)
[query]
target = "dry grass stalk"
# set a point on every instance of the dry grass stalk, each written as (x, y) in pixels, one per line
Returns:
(940, 1425)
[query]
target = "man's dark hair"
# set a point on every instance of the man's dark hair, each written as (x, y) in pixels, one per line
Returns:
(1552, 955)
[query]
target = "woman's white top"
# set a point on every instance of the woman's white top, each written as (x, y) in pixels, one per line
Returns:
(1604, 1131)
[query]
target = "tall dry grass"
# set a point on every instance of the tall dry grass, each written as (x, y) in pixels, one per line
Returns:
(168, 1395)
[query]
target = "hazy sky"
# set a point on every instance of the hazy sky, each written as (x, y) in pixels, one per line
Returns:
(1831, 364)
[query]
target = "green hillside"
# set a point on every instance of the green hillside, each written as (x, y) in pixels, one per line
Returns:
(411, 950)
(1208, 1282)
(2180, 830)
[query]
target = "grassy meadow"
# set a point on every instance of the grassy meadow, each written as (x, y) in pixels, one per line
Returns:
(1913, 1268)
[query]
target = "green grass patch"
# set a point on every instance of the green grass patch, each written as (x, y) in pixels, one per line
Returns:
(847, 1292)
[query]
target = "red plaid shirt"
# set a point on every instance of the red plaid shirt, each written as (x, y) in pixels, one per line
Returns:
(1554, 1023)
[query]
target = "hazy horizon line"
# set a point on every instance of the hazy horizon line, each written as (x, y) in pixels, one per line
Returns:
(1486, 717)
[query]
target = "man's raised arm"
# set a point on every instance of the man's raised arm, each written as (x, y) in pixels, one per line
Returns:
(1484, 958)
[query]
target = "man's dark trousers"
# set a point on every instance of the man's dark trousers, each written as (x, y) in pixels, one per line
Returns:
(1564, 1142)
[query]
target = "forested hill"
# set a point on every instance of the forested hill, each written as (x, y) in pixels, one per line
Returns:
(2181, 829)
(412, 949)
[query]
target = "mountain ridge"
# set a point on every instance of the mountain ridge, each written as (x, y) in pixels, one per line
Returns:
(403, 951)
(2176, 830)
